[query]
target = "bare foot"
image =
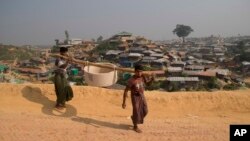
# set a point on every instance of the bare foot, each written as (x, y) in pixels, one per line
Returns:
(60, 106)
(137, 130)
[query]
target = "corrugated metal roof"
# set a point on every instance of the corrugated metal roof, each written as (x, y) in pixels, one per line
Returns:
(157, 50)
(148, 51)
(245, 63)
(190, 72)
(136, 49)
(157, 54)
(135, 55)
(182, 79)
(195, 67)
(161, 60)
(114, 52)
(178, 62)
(174, 69)
(149, 58)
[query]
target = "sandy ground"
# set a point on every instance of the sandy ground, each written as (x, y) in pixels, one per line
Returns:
(27, 113)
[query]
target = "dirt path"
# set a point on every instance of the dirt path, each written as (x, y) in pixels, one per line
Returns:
(27, 114)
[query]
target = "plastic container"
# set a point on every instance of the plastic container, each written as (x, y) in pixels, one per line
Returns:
(101, 77)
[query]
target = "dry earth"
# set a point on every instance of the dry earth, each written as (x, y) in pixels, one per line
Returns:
(27, 113)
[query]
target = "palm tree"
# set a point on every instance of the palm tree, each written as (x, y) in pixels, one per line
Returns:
(182, 31)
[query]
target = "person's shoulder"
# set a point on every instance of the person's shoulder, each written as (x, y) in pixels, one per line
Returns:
(130, 81)
(132, 78)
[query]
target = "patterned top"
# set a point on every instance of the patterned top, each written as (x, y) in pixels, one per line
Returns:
(59, 62)
(136, 85)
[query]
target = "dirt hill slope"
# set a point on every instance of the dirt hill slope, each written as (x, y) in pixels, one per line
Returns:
(27, 113)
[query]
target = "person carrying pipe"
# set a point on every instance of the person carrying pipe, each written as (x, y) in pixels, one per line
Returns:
(63, 90)
(136, 85)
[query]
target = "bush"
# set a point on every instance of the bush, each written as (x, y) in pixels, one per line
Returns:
(104, 46)
(247, 84)
(232, 86)
(188, 88)
(154, 85)
(201, 87)
(52, 78)
(245, 56)
(123, 78)
(147, 68)
(170, 87)
(9, 52)
(78, 80)
(212, 84)
(174, 86)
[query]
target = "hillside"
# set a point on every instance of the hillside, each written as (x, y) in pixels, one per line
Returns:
(27, 113)
(9, 52)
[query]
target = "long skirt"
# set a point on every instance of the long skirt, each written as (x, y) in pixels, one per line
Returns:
(63, 90)
(140, 108)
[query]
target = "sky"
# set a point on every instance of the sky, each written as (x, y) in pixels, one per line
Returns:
(40, 22)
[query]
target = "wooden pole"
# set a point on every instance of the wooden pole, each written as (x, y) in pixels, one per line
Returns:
(86, 63)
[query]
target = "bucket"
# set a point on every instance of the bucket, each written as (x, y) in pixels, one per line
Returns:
(74, 71)
(101, 77)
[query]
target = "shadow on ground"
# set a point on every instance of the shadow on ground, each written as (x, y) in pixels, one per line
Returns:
(35, 95)
(98, 123)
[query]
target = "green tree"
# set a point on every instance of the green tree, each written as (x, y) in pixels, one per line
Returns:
(57, 42)
(241, 49)
(232, 86)
(154, 85)
(182, 31)
(213, 84)
(104, 46)
(99, 39)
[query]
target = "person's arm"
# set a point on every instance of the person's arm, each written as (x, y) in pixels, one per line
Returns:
(125, 95)
(148, 81)
(65, 64)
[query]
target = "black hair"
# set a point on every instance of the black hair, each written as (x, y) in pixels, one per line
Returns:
(63, 49)
(138, 67)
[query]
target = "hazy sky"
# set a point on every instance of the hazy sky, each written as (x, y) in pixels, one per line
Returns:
(41, 21)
